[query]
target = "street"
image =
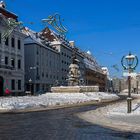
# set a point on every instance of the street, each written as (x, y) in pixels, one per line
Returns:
(59, 124)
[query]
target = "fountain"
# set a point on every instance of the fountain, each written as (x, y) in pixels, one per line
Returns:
(74, 80)
(74, 73)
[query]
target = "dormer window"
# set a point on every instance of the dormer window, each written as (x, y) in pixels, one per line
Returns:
(2, 4)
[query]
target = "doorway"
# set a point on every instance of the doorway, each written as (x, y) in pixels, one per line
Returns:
(1, 86)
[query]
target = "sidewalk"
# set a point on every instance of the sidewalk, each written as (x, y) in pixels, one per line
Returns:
(115, 116)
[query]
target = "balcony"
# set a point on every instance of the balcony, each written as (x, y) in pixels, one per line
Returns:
(6, 67)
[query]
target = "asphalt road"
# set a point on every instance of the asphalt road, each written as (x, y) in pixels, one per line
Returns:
(60, 124)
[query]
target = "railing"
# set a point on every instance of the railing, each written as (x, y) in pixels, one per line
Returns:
(6, 67)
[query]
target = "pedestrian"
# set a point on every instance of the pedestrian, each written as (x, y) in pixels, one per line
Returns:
(7, 92)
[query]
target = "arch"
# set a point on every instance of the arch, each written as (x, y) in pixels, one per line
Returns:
(1, 86)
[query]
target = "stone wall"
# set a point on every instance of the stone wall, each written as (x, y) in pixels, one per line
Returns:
(74, 89)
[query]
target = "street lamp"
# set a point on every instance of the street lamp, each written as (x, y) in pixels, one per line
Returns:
(137, 84)
(129, 62)
(30, 83)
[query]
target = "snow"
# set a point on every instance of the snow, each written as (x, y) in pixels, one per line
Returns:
(51, 99)
(121, 109)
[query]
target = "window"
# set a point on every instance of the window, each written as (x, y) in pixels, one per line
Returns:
(0, 59)
(7, 41)
(19, 64)
(37, 71)
(6, 60)
(12, 42)
(42, 74)
(19, 44)
(19, 84)
(13, 84)
(13, 62)
(37, 51)
(0, 38)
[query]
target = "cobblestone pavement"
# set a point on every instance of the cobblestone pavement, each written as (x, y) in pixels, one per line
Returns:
(59, 124)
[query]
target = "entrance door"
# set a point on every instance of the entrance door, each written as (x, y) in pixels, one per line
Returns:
(1, 86)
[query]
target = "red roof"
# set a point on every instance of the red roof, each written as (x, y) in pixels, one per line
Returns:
(8, 14)
(47, 33)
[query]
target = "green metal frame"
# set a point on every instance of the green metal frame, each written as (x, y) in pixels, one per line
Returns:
(11, 25)
(55, 22)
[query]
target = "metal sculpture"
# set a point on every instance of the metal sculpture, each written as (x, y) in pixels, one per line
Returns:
(11, 25)
(115, 66)
(55, 22)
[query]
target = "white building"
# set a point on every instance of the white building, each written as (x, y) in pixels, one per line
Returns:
(11, 56)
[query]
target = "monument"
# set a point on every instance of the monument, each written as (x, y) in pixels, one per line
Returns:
(74, 80)
(74, 72)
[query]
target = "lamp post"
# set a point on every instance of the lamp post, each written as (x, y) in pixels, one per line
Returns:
(32, 69)
(30, 83)
(129, 63)
(137, 84)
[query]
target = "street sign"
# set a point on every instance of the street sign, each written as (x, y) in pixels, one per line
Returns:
(125, 74)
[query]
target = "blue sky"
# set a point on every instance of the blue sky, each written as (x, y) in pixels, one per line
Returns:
(108, 28)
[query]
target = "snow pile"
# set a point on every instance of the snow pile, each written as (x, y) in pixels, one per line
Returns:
(51, 99)
(121, 109)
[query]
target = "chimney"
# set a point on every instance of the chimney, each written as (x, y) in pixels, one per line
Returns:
(72, 43)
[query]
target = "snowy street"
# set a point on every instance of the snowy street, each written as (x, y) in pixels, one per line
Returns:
(116, 116)
(52, 100)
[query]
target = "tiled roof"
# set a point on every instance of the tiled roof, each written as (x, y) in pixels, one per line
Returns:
(8, 14)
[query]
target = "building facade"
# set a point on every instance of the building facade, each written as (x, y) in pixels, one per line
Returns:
(109, 84)
(48, 56)
(65, 49)
(93, 72)
(41, 63)
(11, 56)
